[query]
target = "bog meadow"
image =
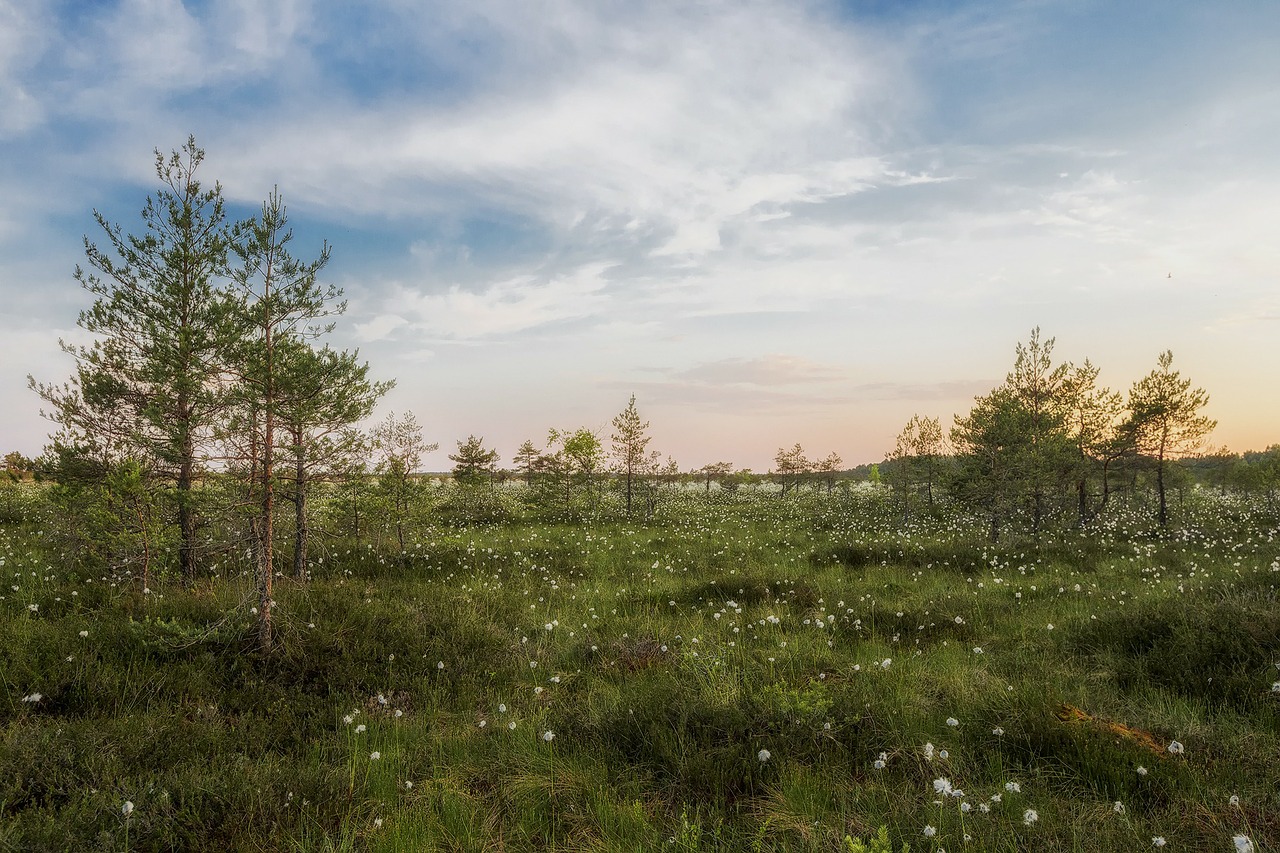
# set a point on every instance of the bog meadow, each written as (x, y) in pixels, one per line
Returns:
(236, 617)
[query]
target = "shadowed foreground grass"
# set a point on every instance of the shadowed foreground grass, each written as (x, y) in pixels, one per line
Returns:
(724, 680)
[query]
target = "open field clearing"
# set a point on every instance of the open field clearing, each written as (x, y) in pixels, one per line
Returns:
(739, 672)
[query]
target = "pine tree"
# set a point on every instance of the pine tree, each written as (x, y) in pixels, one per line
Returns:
(149, 388)
(1164, 420)
(527, 458)
(277, 305)
(1014, 448)
(791, 467)
(474, 463)
(1092, 422)
(915, 459)
(324, 394)
(629, 443)
(400, 446)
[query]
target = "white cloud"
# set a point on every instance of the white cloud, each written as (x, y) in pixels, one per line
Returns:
(23, 38)
(689, 183)
(378, 327)
(669, 118)
(772, 369)
(506, 307)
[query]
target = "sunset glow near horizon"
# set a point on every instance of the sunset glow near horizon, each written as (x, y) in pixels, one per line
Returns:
(772, 222)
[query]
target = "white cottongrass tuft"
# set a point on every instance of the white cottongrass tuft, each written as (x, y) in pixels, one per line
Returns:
(1176, 748)
(127, 808)
(1243, 844)
(1030, 816)
(764, 755)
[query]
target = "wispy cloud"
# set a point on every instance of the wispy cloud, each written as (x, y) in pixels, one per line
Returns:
(506, 307)
(601, 186)
(769, 370)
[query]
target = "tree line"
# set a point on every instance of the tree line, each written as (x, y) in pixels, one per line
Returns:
(208, 399)
(1051, 442)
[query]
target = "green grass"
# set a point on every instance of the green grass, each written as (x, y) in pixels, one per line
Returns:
(664, 657)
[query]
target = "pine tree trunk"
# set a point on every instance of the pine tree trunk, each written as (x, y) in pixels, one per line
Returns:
(186, 523)
(266, 563)
(1164, 506)
(300, 530)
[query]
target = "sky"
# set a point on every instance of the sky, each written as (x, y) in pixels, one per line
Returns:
(772, 222)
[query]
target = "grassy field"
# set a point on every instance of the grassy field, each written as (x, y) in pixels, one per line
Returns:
(738, 673)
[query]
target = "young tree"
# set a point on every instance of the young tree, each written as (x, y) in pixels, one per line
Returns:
(277, 303)
(1038, 388)
(915, 458)
(111, 517)
(526, 459)
(791, 467)
(1014, 445)
(828, 468)
(585, 454)
(629, 442)
(324, 394)
(989, 442)
(571, 462)
(149, 387)
(474, 463)
(400, 447)
(1165, 421)
(1092, 422)
(715, 471)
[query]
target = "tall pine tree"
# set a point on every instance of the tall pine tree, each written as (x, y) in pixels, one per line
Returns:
(149, 387)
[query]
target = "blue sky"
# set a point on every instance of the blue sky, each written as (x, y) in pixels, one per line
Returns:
(773, 222)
